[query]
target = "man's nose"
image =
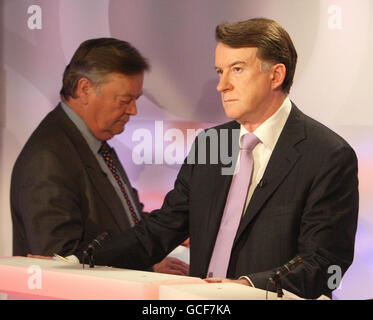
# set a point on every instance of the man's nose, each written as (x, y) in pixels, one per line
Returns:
(132, 108)
(224, 84)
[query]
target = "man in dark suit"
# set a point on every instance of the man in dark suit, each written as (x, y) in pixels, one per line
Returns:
(301, 193)
(68, 186)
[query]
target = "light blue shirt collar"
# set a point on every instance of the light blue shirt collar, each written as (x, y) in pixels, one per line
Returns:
(92, 141)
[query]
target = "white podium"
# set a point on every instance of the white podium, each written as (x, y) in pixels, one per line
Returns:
(29, 278)
(218, 291)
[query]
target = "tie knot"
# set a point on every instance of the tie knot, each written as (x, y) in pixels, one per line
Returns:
(105, 148)
(249, 141)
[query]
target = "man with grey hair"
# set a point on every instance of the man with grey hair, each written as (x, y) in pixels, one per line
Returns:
(68, 185)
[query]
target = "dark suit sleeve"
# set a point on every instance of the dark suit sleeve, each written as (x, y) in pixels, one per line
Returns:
(327, 227)
(155, 236)
(45, 200)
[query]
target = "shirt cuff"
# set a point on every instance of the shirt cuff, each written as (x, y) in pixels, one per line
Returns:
(248, 279)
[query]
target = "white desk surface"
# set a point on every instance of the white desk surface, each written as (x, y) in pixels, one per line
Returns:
(61, 280)
(217, 291)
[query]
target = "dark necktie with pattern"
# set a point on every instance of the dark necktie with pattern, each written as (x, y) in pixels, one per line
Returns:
(105, 152)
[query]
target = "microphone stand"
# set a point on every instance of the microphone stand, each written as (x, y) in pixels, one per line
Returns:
(283, 272)
(96, 243)
(89, 253)
(276, 280)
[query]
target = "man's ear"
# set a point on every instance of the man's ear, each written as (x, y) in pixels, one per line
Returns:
(278, 73)
(84, 90)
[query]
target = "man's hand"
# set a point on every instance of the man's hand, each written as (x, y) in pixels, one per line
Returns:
(172, 266)
(220, 280)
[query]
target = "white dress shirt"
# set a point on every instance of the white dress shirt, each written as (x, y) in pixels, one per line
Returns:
(268, 133)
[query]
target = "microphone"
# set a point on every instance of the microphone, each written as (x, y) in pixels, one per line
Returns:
(92, 246)
(96, 243)
(286, 269)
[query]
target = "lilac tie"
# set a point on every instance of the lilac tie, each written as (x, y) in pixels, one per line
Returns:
(233, 209)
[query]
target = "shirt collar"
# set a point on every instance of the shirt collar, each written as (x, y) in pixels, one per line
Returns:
(269, 131)
(92, 141)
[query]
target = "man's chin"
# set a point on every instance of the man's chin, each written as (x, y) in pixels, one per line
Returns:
(107, 135)
(232, 115)
(117, 130)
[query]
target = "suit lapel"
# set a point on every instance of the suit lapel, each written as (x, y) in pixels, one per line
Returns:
(97, 176)
(221, 187)
(283, 159)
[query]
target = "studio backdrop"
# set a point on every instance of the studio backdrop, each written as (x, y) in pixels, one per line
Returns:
(332, 84)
